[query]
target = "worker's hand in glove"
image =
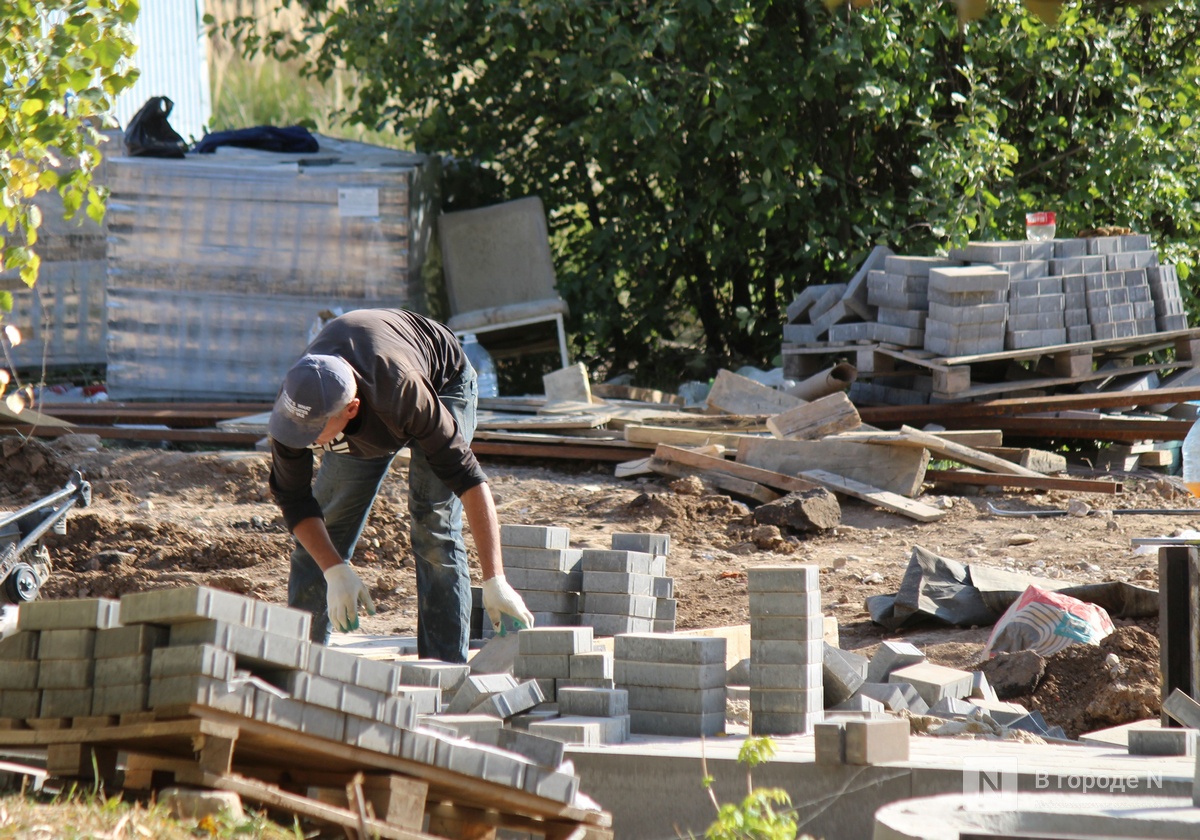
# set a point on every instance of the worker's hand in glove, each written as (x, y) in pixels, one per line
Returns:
(345, 592)
(500, 599)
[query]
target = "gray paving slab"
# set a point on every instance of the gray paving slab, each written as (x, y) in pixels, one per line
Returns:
(829, 742)
(659, 544)
(511, 702)
(780, 628)
(19, 675)
(70, 614)
(552, 784)
(548, 686)
(891, 655)
(792, 701)
(329, 724)
(666, 649)
(949, 707)
(546, 753)
(595, 664)
(588, 731)
(187, 604)
(20, 704)
(842, 672)
(478, 687)
(282, 620)
(539, 601)
(373, 735)
(66, 644)
(251, 645)
(663, 587)
(876, 741)
(607, 603)
(1183, 709)
(627, 673)
(617, 582)
(787, 651)
(123, 670)
(166, 692)
(426, 700)
(593, 702)
(554, 640)
(18, 646)
(859, 703)
(665, 610)
(615, 625)
(677, 724)
(915, 266)
(685, 700)
(1162, 741)
(778, 578)
(534, 536)
(543, 580)
(786, 677)
(548, 559)
(798, 604)
(66, 703)
(628, 562)
(183, 660)
(351, 668)
(130, 640)
(934, 682)
(584, 682)
(420, 745)
(783, 723)
(482, 762)
(129, 698)
(542, 666)
(447, 676)
(666, 625)
(465, 725)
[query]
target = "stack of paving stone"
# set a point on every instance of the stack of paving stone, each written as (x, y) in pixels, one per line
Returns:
(620, 585)
(676, 684)
(540, 565)
(967, 310)
(1169, 313)
(901, 294)
(787, 633)
(167, 651)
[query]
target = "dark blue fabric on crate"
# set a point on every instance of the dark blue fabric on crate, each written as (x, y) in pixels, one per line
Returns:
(269, 138)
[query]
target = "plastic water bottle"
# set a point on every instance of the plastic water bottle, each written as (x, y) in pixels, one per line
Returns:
(485, 368)
(1191, 459)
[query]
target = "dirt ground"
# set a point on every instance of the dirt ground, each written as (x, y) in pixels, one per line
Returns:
(165, 517)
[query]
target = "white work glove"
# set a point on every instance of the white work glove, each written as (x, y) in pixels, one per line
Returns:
(500, 599)
(345, 592)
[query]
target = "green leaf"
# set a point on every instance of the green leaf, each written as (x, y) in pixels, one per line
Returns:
(6, 301)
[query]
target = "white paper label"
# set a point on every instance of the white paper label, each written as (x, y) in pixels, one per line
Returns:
(358, 201)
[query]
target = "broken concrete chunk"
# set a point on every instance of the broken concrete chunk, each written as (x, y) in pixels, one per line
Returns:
(889, 657)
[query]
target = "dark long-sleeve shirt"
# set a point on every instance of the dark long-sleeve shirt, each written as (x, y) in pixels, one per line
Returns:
(401, 362)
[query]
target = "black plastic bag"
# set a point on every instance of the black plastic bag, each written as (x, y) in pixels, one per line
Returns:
(268, 138)
(150, 135)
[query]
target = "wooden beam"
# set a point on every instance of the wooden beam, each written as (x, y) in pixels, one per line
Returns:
(734, 394)
(1072, 428)
(873, 495)
(654, 435)
(1082, 485)
(825, 416)
(964, 454)
(723, 480)
(787, 483)
(215, 436)
(574, 452)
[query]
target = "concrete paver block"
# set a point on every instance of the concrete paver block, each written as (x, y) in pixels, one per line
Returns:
(20, 704)
(66, 703)
(627, 673)
(19, 675)
(551, 784)
(554, 640)
(420, 745)
(786, 677)
(575, 730)
(894, 697)
(981, 688)
(534, 536)
(19, 645)
(66, 644)
(482, 762)
(130, 640)
(166, 692)
(186, 604)
(182, 660)
(350, 668)
(842, 673)
(547, 559)
(584, 682)
(513, 701)
(783, 579)
(331, 694)
(859, 703)
(649, 698)
(126, 670)
(615, 560)
(478, 687)
(426, 699)
(615, 625)
(892, 655)
(799, 604)
(783, 723)
(667, 649)
(665, 609)
(282, 620)
(594, 664)
(809, 701)
(663, 587)
(659, 544)
(618, 583)
(787, 651)
(447, 676)
(677, 724)
(120, 699)
(593, 702)
(1162, 741)
(373, 735)
(540, 601)
(949, 707)
(542, 666)
(467, 725)
(780, 628)
(876, 741)
(544, 752)
(255, 646)
(829, 741)
(543, 580)
(1183, 709)
(933, 682)
(542, 713)
(71, 614)
(608, 603)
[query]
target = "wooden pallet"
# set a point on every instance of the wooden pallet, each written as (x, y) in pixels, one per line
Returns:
(278, 767)
(1057, 365)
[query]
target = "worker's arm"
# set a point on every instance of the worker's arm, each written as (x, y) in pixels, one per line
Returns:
(311, 534)
(345, 590)
(499, 599)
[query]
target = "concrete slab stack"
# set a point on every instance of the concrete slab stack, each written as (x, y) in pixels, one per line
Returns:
(968, 314)
(540, 564)
(1169, 313)
(588, 716)
(676, 684)
(618, 590)
(66, 651)
(901, 294)
(20, 697)
(547, 654)
(663, 586)
(786, 649)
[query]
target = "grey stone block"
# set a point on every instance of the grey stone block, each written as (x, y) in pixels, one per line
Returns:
(783, 579)
(781, 628)
(859, 703)
(131, 640)
(944, 297)
(592, 665)
(842, 673)
(902, 336)
(66, 703)
(593, 702)
(447, 676)
(547, 685)
(19, 675)
(20, 645)
(20, 704)
(949, 707)
(1070, 248)
(66, 644)
(993, 252)
(514, 701)
(665, 610)
(420, 745)
(886, 297)
(677, 724)
(1162, 741)
(541, 601)
(799, 604)
(127, 670)
(1103, 244)
(350, 668)
(542, 666)
(1135, 242)
(628, 562)
(554, 640)
(790, 701)
(678, 650)
(893, 696)
(534, 536)
(72, 614)
(467, 725)
(120, 699)
(167, 692)
(908, 318)
(184, 660)
(892, 655)
(373, 735)
(543, 580)
(281, 620)
(666, 625)
(334, 726)
(785, 677)
(876, 741)
(608, 603)
(783, 723)
(915, 266)
(984, 313)
(522, 722)
(584, 682)
(829, 741)
(187, 604)
(575, 730)
(663, 587)
(1183, 709)
(551, 784)
(613, 625)
(618, 582)
(1078, 265)
(645, 698)
(544, 752)
(548, 559)
(249, 644)
(659, 544)
(426, 700)
(627, 673)
(981, 688)
(1025, 269)
(482, 762)
(787, 651)
(332, 694)
(1131, 259)
(478, 687)
(959, 279)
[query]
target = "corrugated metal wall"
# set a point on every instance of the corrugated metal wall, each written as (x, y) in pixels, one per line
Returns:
(173, 59)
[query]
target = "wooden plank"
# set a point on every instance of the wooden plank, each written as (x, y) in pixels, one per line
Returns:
(964, 454)
(1043, 482)
(967, 437)
(1038, 460)
(215, 436)
(873, 495)
(654, 435)
(717, 478)
(898, 470)
(638, 466)
(734, 394)
(488, 420)
(1101, 428)
(630, 392)
(825, 416)
(698, 460)
(574, 452)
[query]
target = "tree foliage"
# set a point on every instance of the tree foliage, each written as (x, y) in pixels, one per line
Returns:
(704, 160)
(64, 62)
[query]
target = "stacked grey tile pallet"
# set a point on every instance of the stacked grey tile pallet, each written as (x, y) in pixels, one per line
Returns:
(624, 589)
(676, 684)
(787, 633)
(1057, 292)
(167, 651)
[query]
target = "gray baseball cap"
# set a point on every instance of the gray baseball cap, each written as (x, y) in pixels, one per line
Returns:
(314, 390)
